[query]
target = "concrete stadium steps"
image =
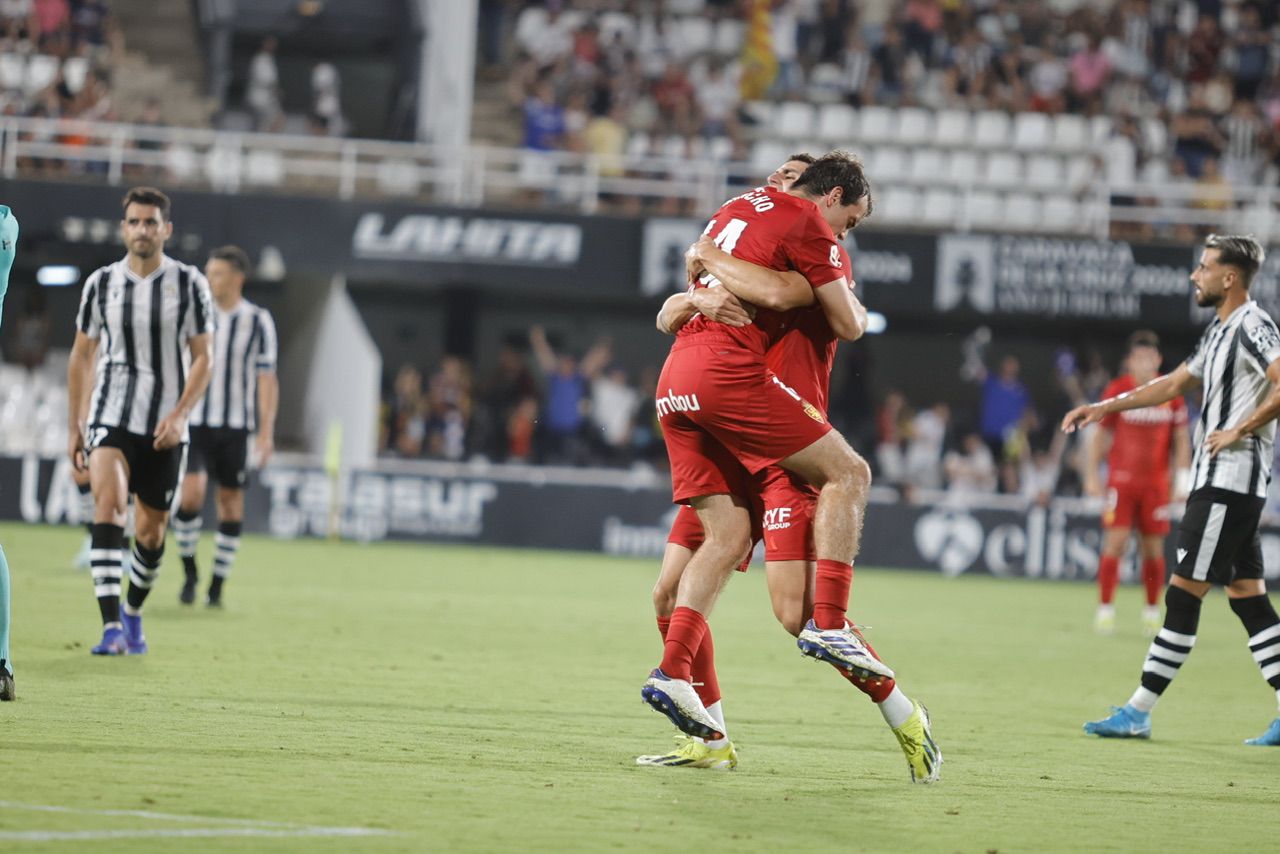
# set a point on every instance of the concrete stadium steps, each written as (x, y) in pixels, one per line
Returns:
(163, 60)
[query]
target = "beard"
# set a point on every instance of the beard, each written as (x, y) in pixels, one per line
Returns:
(1207, 300)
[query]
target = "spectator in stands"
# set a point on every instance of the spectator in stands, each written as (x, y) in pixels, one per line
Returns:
(1213, 191)
(1039, 476)
(93, 28)
(505, 390)
(1090, 71)
(1004, 400)
(53, 26)
(891, 421)
(263, 91)
(1203, 48)
(970, 470)
(716, 94)
(614, 405)
(448, 410)
(544, 132)
(406, 414)
(566, 401)
(326, 98)
(925, 447)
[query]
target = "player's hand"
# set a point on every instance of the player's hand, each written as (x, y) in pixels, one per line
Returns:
(721, 306)
(263, 448)
(1082, 416)
(75, 449)
(694, 257)
(169, 431)
(1220, 440)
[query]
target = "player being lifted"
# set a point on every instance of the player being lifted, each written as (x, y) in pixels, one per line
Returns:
(1138, 483)
(8, 249)
(242, 397)
(155, 318)
(802, 359)
(721, 411)
(1238, 364)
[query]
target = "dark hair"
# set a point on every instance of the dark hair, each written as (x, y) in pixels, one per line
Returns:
(1242, 251)
(1144, 338)
(233, 255)
(147, 196)
(803, 157)
(836, 169)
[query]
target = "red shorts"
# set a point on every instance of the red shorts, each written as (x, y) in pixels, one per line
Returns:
(782, 511)
(721, 411)
(1138, 505)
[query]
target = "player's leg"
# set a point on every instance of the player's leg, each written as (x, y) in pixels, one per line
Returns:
(1153, 580)
(227, 541)
(109, 473)
(6, 662)
(186, 520)
(1247, 594)
(727, 526)
(1114, 539)
(155, 480)
(85, 491)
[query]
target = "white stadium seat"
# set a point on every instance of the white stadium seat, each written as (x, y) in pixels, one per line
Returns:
(983, 209)
(181, 162)
(914, 125)
(963, 168)
(928, 166)
(1099, 129)
(675, 147)
(74, 71)
(875, 124)
(889, 163)
(793, 120)
(1031, 132)
(13, 71)
(952, 128)
(1070, 133)
(1021, 212)
(264, 167)
(639, 145)
(1080, 172)
(991, 129)
(940, 207)
(42, 70)
(1003, 169)
(760, 112)
(1044, 171)
(837, 124)
(1156, 135)
(696, 34)
(719, 148)
(398, 177)
(1062, 214)
(899, 204)
(767, 155)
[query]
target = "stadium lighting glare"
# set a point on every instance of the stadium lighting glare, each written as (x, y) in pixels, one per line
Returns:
(876, 323)
(58, 275)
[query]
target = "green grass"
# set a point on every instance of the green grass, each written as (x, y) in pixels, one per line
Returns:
(480, 699)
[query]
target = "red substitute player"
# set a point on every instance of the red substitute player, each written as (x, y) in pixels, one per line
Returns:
(1138, 489)
(722, 411)
(783, 503)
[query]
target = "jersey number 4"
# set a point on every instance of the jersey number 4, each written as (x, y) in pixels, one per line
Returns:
(727, 239)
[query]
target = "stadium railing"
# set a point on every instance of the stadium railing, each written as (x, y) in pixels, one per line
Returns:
(479, 175)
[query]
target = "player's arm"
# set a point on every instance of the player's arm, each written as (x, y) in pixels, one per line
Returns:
(845, 312)
(718, 304)
(542, 352)
(79, 377)
(168, 432)
(1158, 391)
(268, 406)
(1094, 453)
(1260, 417)
(1181, 463)
(757, 285)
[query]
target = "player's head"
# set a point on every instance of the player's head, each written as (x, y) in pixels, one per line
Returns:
(1227, 265)
(836, 183)
(226, 270)
(145, 226)
(786, 174)
(1144, 355)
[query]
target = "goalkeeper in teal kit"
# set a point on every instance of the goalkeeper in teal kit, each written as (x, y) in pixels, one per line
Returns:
(8, 247)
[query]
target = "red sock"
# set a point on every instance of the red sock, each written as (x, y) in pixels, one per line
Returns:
(664, 623)
(1153, 578)
(831, 593)
(1108, 578)
(878, 689)
(684, 636)
(703, 671)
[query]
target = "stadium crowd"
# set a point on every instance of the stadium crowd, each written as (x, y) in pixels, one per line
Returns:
(1193, 85)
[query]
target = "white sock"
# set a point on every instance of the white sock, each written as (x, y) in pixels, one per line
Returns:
(1106, 610)
(896, 708)
(126, 608)
(717, 715)
(1278, 699)
(1144, 700)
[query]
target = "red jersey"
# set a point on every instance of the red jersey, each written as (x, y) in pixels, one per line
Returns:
(771, 229)
(1141, 438)
(804, 355)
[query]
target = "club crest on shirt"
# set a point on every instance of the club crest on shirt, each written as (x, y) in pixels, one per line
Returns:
(812, 412)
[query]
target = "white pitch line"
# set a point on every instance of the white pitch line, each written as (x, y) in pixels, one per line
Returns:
(231, 826)
(184, 833)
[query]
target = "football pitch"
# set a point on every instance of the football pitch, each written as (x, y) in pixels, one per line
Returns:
(412, 698)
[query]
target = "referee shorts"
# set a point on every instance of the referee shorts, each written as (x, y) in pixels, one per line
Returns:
(1218, 537)
(223, 452)
(153, 475)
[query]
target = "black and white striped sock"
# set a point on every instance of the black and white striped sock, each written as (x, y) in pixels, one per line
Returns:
(186, 526)
(106, 565)
(86, 506)
(143, 569)
(1170, 647)
(227, 544)
(1263, 625)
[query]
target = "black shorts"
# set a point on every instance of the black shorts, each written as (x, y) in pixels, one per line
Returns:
(153, 475)
(1218, 538)
(223, 451)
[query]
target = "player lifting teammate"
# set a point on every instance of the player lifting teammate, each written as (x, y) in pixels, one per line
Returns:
(154, 316)
(1138, 483)
(242, 398)
(1238, 364)
(719, 407)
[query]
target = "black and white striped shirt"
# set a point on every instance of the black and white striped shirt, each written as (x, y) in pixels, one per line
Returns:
(244, 346)
(1231, 362)
(143, 326)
